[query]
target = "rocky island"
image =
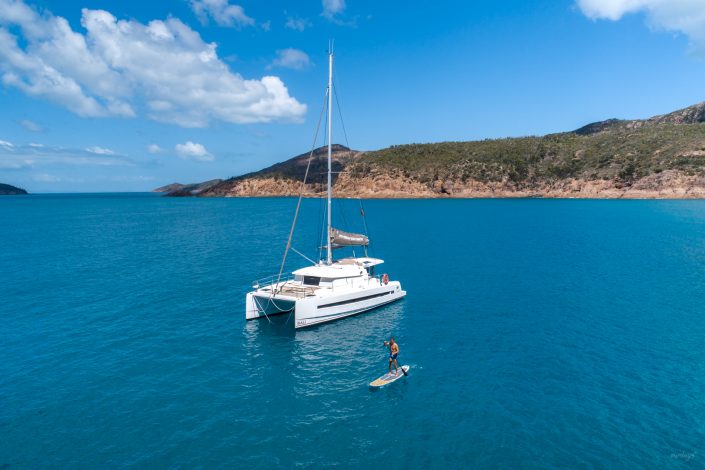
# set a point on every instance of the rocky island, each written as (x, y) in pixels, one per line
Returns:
(8, 190)
(178, 189)
(660, 157)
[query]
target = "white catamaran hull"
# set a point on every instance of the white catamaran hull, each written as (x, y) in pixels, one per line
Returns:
(265, 305)
(315, 310)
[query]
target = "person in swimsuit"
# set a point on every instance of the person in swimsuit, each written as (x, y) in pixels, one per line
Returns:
(393, 353)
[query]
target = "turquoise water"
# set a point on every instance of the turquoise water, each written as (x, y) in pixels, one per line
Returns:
(540, 334)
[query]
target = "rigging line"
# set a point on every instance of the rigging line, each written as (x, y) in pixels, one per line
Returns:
(319, 228)
(263, 310)
(345, 224)
(364, 219)
(302, 255)
(322, 225)
(323, 175)
(301, 194)
(364, 223)
(340, 113)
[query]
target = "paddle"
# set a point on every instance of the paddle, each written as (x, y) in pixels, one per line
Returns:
(401, 367)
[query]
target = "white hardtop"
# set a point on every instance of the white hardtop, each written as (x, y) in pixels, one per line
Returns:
(364, 262)
(347, 267)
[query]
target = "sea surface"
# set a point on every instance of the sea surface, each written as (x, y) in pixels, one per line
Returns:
(540, 334)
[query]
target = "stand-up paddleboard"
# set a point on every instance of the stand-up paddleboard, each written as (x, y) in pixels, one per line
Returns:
(389, 377)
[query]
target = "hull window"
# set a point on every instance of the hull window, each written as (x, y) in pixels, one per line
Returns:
(358, 299)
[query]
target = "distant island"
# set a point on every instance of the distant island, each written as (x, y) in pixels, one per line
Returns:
(660, 157)
(177, 189)
(8, 190)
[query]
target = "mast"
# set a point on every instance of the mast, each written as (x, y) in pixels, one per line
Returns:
(329, 259)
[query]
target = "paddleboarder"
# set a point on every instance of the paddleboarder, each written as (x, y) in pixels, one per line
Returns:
(393, 353)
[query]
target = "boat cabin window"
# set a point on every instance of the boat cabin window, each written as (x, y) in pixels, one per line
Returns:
(371, 271)
(312, 280)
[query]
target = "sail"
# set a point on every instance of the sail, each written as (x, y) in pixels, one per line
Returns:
(339, 239)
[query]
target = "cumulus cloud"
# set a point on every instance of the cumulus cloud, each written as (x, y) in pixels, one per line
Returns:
(193, 151)
(100, 150)
(297, 24)
(683, 16)
(222, 12)
(118, 65)
(331, 8)
(31, 125)
(154, 148)
(291, 58)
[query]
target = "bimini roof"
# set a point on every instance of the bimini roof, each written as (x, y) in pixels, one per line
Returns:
(348, 267)
(365, 262)
(334, 271)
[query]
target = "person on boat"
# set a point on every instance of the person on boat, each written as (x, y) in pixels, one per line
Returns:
(393, 353)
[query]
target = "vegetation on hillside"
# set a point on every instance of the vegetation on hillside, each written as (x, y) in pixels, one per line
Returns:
(9, 190)
(623, 155)
(616, 152)
(295, 168)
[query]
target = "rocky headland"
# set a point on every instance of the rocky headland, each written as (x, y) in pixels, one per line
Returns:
(659, 157)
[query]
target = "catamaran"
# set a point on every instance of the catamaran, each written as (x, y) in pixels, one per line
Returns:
(329, 289)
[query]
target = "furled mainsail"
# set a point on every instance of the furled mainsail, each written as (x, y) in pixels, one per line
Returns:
(339, 239)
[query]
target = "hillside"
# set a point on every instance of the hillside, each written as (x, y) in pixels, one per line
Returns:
(660, 157)
(8, 190)
(178, 189)
(284, 179)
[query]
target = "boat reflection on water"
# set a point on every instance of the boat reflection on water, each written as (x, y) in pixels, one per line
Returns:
(340, 354)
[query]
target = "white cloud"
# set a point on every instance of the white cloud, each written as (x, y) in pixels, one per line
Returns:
(291, 58)
(297, 24)
(15, 163)
(683, 16)
(100, 150)
(193, 151)
(331, 8)
(222, 12)
(46, 178)
(6, 144)
(154, 148)
(123, 67)
(52, 178)
(132, 178)
(38, 155)
(30, 125)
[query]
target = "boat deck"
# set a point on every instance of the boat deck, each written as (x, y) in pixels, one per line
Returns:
(292, 290)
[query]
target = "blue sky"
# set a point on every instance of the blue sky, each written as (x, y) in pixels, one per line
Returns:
(128, 96)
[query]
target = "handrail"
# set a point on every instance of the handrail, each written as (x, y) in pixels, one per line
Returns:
(271, 280)
(298, 291)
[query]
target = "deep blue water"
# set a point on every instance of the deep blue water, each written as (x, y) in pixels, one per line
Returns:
(541, 334)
